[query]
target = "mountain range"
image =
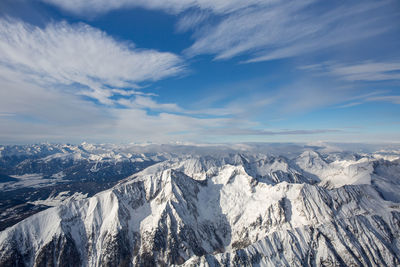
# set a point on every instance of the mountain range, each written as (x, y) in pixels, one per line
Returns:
(206, 206)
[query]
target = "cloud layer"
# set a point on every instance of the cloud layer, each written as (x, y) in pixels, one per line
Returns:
(262, 30)
(45, 71)
(81, 57)
(71, 81)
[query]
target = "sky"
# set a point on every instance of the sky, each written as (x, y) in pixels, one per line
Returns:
(202, 71)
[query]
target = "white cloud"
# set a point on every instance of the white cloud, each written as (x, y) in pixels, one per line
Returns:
(43, 72)
(44, 113)
(367, 71)
(163, 127)
(122, 92)
(82, 56)
(360, 71)
(145, 102)
(291, 28)
(261, 29)
(31, 113)
(191, 20)
(377, 96)
(173, 6)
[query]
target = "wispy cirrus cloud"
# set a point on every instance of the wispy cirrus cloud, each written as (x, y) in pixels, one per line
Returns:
(145, 102)
(284, 29)
(261, 30)
(359, 71)
(375, 96)
(30, 113)
(96, 7)
(364, 75)
(367, 71)
(192, 20)
(394, 99)
(81, 57)
(45, 71)
(260, 132)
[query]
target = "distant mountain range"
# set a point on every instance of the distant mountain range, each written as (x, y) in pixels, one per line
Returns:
(239, 205)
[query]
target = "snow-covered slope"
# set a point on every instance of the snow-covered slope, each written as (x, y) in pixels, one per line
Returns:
(239, 209)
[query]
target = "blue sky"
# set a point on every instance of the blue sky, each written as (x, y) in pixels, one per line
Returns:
(199, 71)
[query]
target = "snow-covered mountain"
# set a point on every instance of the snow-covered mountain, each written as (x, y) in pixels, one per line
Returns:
(34, 177)
(304, 208)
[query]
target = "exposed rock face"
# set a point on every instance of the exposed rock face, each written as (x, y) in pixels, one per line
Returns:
(212, 211)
